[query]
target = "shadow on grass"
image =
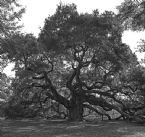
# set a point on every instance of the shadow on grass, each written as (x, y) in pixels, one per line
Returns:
(61, 128)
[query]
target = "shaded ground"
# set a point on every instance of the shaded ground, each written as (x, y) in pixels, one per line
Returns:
(47, 128)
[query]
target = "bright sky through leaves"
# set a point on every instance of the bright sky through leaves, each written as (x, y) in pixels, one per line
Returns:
(38, 10)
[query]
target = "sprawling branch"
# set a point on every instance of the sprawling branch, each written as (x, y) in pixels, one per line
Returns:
(55, 96)
(106, 94)
(98, 101)
(95, 110)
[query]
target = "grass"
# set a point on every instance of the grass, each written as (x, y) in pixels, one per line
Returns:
(59, 128)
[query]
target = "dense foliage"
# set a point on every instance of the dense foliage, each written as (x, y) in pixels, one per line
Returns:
(76, 66)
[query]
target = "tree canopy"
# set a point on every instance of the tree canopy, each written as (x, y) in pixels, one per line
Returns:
(132, 13)
(10, 14)
(78, 64)
(75, 62)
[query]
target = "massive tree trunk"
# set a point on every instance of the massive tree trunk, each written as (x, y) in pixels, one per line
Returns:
(76, 109)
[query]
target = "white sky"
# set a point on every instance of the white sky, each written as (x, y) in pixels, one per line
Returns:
(38, 10)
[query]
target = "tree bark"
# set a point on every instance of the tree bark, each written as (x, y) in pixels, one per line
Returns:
(76, 109)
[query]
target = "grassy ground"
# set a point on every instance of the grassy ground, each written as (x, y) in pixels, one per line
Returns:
(58, 128)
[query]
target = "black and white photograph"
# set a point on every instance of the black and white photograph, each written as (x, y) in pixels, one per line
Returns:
(72, 68)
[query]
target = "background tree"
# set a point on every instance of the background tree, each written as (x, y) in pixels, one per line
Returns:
(132, 13)
(19, 49)
(10, 14)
